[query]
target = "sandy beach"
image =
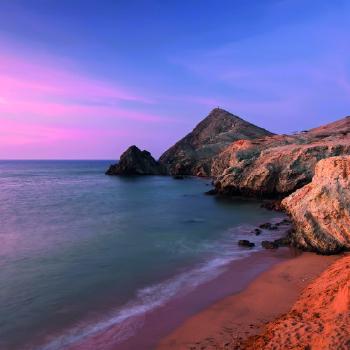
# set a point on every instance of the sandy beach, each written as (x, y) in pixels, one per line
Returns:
(232, 320)
(157, 324)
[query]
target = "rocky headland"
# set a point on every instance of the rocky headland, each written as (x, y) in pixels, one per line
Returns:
(244, 159)
(309, 174)
(194, 154)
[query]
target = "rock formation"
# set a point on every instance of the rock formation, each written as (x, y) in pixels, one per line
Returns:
(321, 209)
(278, 165)
(136, 162)
(193, 154)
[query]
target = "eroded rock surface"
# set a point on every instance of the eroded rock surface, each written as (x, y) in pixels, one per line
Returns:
(136, 162)
(278, 165)
(321, 209)
(193, 154)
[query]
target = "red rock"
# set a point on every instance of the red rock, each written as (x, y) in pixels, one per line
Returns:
(278, 165)
(321, 209)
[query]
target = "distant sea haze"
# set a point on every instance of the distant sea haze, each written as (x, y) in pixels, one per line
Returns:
(81, 251)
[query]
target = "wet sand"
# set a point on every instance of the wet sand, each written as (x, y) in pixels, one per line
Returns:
(230, 321)
(157, 324)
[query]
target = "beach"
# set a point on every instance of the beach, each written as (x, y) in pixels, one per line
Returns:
(229, 322)
(140, 284)
(81, 268)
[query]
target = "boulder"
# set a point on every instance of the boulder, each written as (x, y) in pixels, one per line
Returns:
(321, 209)
(257, 231)
(269, 226)
(246, 243)
(269, 245)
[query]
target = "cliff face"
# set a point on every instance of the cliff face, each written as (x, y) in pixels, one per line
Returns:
(321, 209)
(279, 164)
(136, 162)
(193, 154)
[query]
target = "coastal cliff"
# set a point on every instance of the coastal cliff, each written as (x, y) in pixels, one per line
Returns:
(311, 171)
(280, 164)
(244, 159)
(321, 209)
(193, 155)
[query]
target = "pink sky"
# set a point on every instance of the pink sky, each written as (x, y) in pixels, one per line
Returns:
(82, 80)
(53, 111)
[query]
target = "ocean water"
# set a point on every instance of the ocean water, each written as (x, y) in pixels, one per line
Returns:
(81, 252)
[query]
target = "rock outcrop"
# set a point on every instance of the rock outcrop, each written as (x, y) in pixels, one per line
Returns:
(136, 162)
(193, 154)
(321, 209)
(278, 165)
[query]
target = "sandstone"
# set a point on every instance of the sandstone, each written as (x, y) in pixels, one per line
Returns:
(277, 165)
(321, 209)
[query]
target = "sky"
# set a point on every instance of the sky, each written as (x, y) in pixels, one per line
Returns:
(84, 79)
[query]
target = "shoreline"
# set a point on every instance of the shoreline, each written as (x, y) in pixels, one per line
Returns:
(153, 326)
(233, 319)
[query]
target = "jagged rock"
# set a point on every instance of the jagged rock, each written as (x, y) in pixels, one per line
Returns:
(284, 222)
(268, 226)
(193, 154)
(274, 205)
(257, 231)
(136, 162)
(269, 245)
(278, 165)
(246, 243)
(321, 209)
(283, 241)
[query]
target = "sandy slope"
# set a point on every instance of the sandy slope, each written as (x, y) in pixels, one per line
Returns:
(228, 323)
(319, 320)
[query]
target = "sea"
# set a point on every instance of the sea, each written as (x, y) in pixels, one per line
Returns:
(81, 252)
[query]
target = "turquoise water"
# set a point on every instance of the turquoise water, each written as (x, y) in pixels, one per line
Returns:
(81, 251)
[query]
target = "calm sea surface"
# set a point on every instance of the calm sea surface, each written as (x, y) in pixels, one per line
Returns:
(81, 251)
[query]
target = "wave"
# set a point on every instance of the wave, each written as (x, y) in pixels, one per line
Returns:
(129, 318)
(147, 299)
